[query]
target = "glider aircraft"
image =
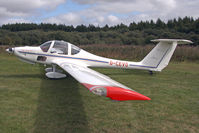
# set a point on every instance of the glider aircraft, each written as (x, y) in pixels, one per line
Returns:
(78, 63)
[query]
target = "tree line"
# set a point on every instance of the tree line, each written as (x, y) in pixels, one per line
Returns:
(133, 34)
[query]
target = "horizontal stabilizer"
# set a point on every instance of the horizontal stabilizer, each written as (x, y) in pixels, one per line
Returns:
(179, 41)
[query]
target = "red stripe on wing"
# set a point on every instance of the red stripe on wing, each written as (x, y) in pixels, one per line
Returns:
(117, 93)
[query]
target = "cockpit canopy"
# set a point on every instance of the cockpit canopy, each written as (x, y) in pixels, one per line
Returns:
(60, 47)
(45, 46)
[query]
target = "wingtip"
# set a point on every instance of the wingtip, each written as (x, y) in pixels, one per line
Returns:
(116, 93)
(147, 98)
(140, 96)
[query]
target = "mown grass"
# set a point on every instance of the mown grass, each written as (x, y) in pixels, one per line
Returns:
(29, 102)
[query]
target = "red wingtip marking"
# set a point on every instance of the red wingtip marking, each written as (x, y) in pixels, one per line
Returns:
(121, 94)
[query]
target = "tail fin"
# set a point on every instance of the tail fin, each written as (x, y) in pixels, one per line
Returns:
(160, 55)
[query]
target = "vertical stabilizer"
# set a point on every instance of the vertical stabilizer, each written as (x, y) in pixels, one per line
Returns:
(161, 54)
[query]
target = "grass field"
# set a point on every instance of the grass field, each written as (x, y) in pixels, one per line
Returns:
(29, 102)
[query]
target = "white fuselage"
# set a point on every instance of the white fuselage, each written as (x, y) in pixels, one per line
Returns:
(46, 53)
(30, 55)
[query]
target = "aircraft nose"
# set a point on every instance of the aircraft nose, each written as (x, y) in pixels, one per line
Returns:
(10, 50)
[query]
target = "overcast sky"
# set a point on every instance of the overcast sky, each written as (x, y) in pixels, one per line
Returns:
(97, 12)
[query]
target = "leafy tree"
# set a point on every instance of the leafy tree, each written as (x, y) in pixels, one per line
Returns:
(134, 34)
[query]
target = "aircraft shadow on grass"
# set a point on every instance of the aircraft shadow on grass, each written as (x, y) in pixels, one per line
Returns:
(60, 107)
(126, 72)
(25, 76)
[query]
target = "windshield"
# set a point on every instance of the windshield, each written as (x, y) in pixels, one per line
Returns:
(45, 46)
(60, 47)
(74, 50)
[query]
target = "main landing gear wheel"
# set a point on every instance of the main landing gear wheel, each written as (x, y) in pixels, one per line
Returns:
(54, 73)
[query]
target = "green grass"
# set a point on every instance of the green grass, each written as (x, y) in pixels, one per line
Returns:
(29, 102)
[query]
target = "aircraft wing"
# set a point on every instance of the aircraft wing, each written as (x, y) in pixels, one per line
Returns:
(98, 83)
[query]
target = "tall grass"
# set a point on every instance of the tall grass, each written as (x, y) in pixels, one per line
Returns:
(182, 53)
(132, 52)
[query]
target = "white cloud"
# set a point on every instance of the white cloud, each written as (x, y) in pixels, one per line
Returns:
(6, 13)
(21, 9)
(113, 19)
(68, 19)
(126, 6)
(100, 12)
(29, 5)
(15, 20)
(100, 19)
